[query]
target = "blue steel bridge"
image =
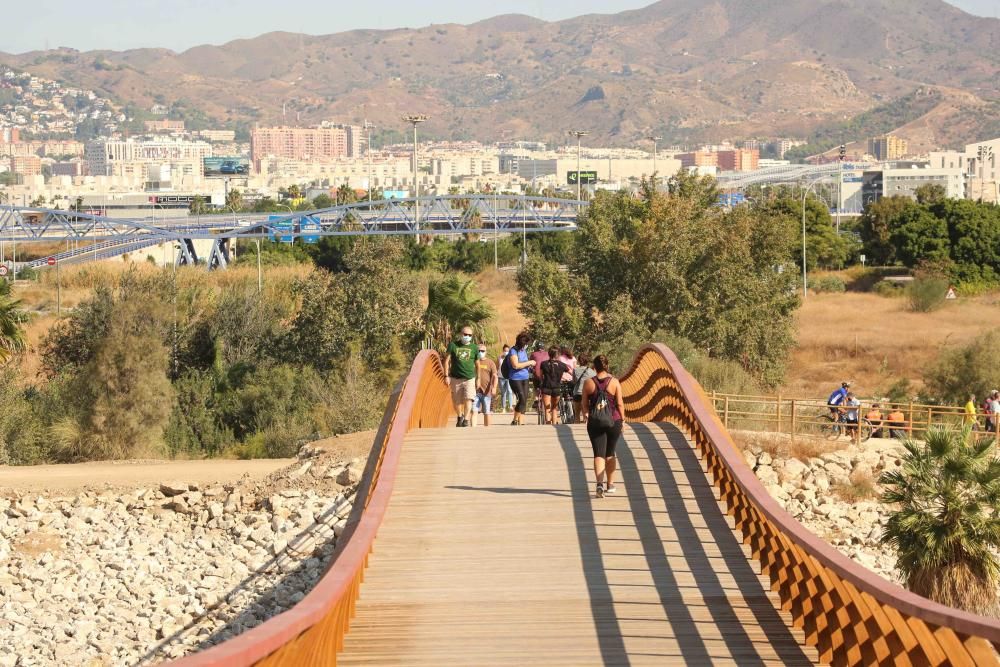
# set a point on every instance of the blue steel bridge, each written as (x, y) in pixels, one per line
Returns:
(93, 237)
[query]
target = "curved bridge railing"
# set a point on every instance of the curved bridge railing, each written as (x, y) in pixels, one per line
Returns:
(853, 616)
(312, 632)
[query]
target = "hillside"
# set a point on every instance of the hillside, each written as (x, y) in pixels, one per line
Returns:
(685, 69)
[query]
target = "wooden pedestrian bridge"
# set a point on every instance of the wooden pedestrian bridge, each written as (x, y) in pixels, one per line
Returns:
(486, 546)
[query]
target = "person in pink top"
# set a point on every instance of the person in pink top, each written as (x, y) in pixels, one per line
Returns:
(566, 356)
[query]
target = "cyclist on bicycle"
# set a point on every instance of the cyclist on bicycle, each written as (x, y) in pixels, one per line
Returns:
(837, 400)
(550, 385)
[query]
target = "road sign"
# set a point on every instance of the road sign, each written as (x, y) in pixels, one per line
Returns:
(3, 270)
(951, 294)
(585, 177)
(51, 261)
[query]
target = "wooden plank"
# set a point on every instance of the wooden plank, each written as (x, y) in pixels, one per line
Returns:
(495, 551)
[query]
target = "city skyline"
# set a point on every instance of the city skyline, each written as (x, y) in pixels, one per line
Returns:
(142, 25)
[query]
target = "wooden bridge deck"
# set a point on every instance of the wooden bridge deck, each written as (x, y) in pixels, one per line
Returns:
(495, 552)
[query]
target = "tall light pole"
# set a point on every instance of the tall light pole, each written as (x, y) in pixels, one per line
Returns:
(370, 126)
(654, 139)
(840, 183)
(416, 119)
(805, 193)
(579, 134)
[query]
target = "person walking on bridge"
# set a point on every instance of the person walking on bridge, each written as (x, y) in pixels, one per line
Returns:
(486, 384)
(519, 370)
(603, 410)
(460, 368)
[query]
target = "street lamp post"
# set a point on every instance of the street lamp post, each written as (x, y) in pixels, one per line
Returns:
(579, 134)
(416, 119)
(654, 139)
(370, 126)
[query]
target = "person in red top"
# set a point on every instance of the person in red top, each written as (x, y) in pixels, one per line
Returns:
(538, 356)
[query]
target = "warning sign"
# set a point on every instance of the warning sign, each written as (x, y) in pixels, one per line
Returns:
(951, 294)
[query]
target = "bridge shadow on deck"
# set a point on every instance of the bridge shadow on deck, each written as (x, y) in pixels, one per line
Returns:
(649, 449)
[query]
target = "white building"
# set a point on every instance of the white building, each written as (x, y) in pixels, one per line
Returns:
(131, 159)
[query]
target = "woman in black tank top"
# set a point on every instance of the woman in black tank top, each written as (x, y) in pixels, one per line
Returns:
(604, 439)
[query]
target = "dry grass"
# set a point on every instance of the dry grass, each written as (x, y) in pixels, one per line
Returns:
(500, 289)
(862, 487)
(781, 446)
(876, 341)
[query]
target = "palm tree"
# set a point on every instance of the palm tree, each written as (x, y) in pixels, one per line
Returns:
(345, 195)
(452, 303)
(946, 531)
(11, 318)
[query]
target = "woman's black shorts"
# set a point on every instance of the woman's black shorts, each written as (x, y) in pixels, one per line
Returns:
(604, 439)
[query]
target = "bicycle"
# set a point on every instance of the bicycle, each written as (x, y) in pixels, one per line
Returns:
(566, 413)
(832, 428)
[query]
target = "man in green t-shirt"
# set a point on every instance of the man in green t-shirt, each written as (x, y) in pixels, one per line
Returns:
(460, 367)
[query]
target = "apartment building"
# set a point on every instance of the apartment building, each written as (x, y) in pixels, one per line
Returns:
(887, 148)
(698, 159)
(130, 158)
(739, 160)
(878, 183)
(26, 165)
(305, 143)
(164, 125)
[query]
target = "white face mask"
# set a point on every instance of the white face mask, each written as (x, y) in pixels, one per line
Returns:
(482, 354)
(466, 338)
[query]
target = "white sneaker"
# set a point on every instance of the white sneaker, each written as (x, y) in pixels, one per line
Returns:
(611, 488)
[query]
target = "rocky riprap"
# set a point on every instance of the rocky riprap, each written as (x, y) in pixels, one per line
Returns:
(835, 495)
(127, 578)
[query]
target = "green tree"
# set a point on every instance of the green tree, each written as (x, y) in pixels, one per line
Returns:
(930, 193)
(551, 302)
(12, 319)
(319, 333)
(451, 304)
(323, 201)
(824, 247)
(920, 236)
(234, 200)
(692, 269)
(946, 531)
(877, 223)
(963, 369)
(345, 195)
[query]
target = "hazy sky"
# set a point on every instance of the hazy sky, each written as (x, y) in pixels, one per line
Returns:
(180, 24)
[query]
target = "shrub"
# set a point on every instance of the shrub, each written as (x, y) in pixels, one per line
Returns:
(889, 288)
(946, 531)
(962, 370)
(830, 284)
(926, 294)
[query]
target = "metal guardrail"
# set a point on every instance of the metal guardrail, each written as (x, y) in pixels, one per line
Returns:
(852, 616)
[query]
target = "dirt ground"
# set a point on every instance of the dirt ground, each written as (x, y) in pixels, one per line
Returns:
(123, 475)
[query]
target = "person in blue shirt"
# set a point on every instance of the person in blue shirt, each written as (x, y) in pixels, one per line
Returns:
(520, 371)
(838, 399)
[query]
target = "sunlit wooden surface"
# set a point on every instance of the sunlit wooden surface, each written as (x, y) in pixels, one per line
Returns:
(495, 552)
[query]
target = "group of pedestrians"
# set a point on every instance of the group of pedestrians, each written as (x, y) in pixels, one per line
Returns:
(990, 411)
(475, 378)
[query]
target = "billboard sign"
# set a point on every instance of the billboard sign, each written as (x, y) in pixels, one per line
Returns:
(583, 177)
(307, 227)
(216, 167)
(731, 199)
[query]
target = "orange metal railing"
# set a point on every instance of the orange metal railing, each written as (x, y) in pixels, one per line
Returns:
(312, 632)
(852, 616)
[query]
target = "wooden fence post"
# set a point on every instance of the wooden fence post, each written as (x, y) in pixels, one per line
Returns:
(792, 429)
(930, 416)
(909, 417)
(778, 413)
(725, 413)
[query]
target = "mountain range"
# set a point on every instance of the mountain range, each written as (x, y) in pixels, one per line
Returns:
(686, 70)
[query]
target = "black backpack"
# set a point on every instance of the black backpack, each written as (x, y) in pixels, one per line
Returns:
(505, 367)
(601, 412)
